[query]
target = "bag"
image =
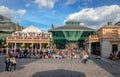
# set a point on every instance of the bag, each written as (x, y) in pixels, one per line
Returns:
(85, 57)
(13, 61)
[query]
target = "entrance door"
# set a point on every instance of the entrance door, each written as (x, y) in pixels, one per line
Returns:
(114, 48)
(95, 48)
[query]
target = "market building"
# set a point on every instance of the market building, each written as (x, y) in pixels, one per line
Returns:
(105, 41)
(7, 27)
(72, 34)
(30, 36)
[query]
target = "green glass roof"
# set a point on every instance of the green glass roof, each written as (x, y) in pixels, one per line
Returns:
(72, 26)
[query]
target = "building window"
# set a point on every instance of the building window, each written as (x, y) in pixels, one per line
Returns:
(114, 33)
(114, 48)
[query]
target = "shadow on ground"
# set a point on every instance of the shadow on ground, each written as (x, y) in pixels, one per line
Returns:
(112, 68)
(59, 73)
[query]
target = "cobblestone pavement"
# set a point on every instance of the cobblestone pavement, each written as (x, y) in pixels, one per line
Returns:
(61, 68)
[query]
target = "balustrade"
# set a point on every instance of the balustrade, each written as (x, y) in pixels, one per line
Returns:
(28, 38)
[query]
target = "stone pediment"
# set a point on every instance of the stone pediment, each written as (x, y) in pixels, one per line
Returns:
(31, 29)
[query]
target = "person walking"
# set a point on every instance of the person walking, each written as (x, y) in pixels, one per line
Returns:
(7, 62)
(85, 56)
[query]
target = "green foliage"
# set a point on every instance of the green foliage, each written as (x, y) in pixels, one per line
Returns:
(31, 45)
(22, 45)
(5, 45)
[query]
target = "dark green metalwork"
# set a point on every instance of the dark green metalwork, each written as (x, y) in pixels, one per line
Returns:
(70, 36)
(63, 38)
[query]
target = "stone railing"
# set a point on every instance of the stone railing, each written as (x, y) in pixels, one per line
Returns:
(92, 38)
(28, 39)
(111, 35)
(23, 38)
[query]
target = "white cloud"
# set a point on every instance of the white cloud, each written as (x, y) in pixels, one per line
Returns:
(45, 3)
(21, 12)
(97, 17)
(27, 5)
(12, 14)
(68, 2)
(7, 12)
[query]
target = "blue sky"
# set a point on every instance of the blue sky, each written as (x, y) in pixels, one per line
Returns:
(43, 13)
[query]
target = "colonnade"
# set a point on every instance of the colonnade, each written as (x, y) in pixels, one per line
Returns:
(27, 45)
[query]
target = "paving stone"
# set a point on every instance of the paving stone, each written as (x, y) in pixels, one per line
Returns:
(60, 68)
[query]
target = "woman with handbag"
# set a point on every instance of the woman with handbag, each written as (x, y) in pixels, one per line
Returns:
(12, 63)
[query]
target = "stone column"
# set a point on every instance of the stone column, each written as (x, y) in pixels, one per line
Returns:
(15, 47)
(89, 48)
(106, 48)
(119, 46)
(40, 45)
(7, 49)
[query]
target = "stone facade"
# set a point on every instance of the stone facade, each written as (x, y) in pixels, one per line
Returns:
(106, 40)
(105, 48)
(29, 36)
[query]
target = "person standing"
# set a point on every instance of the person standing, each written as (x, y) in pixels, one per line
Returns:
(85, 56)
(12, 63)
(7, 62)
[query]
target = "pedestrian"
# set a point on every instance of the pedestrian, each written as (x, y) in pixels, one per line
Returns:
(119, 54)
(12, 63)
(7, 62)
(85, 56)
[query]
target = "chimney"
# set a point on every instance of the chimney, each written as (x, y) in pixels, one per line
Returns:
(109, 23)
(17, 27)
(52, 26)
(22, 27)
(118, 23)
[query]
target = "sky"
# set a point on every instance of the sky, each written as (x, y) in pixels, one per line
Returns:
(43, 13)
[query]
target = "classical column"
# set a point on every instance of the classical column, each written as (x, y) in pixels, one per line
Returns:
(106, 48)
(15, 46)
(7, 48)
(89, 48)
(40, 45)
(119, 46)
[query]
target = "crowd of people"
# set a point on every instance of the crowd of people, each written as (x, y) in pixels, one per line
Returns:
(45, 53)
(10, 58)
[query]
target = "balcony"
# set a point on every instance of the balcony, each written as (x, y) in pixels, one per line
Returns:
(14, 39)
(92, 38)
